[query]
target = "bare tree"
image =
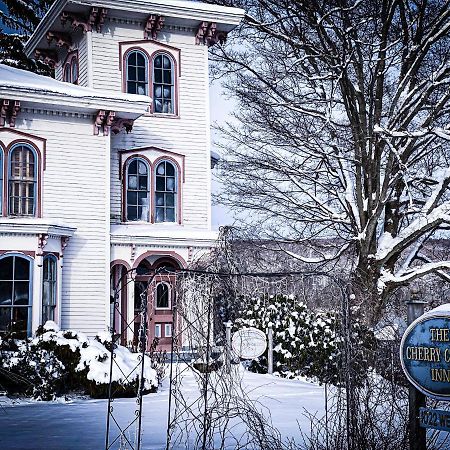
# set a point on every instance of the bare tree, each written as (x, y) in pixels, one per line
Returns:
(341, 134)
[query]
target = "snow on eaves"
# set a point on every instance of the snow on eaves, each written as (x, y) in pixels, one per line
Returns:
(24, 85)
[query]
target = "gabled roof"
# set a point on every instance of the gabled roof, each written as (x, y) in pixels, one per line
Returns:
(177, 12)
(29, 87)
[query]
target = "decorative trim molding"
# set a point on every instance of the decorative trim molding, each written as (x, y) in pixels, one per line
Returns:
(95, 20)
(9, 109)
(153, 26)
(207, 34)
(107, 120)
(48, 57)
(61, 39)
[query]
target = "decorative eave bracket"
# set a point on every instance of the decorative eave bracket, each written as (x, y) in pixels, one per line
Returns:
(48, 57)
(95, 20)
(107, 120)
(61, 39)
(153, 26)
(9, 109)
(207, 34)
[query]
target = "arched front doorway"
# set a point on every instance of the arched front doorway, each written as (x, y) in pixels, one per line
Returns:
(160, 299)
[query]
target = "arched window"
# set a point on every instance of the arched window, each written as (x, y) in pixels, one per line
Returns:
(70, 74)
(163, 84)
(74, 70)
(163, 296)
(22, 181)
(137, 73)
(49, 288)
(165, 192)
(137, 190)
(67, 73)
(15, 295)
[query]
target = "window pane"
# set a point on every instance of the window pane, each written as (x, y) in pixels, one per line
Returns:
(132, 58)
(158, 92)
(6, 268)
(159, 215)
(168, 77)
(167, 93)
(161, 169)
(132, 182)
(74, 70)
(22, 269)
(170, 215)
(168, 330)
(166, 62)
(132, 168)
(21, 293)
(131, 87)
(141, 89)
(5, 318)
(140, 61)
(158, 76)
(143, 183)
(131, 213)
(170, 184)
(170, 169)
(132, 198)
(159, 199)
(141, 74)
(20, 321)
(170, 199)
(6, 293)
(132, 71)
(162, 296)
(158, 106)
(160, 184)
(158, 61)
(142, 168)
(158, 330)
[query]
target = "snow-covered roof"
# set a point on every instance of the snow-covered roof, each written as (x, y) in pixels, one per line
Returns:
(17, 84)
(181, 12)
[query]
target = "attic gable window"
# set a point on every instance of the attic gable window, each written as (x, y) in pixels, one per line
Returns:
(137, 73)
(71, 68)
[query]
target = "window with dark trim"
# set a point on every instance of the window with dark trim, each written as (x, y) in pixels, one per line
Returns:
(163, 84)
(137, 73)
(15, 295)
(22, 181)
(49, 288)
(71, 69)
(137, 190)
(165, 192)
(163, 299)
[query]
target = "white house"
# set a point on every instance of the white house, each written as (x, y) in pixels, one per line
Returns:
(106, 168)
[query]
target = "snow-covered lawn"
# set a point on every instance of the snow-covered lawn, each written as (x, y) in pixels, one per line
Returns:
(80, 424)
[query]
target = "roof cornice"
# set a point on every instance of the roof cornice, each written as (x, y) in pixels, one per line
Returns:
(225, 17)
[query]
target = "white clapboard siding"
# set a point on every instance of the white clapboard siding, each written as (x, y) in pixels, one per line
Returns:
(75, 193)
(188, 134)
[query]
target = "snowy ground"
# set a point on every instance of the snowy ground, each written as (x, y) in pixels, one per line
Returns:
(80, 424)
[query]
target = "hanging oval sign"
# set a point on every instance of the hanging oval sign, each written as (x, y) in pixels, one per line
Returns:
(249, 343)
(425, 353)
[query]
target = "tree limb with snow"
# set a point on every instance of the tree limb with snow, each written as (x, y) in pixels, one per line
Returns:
(341, 133)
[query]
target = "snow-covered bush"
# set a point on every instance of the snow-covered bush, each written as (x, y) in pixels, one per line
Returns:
(306, 343)
(56, 362)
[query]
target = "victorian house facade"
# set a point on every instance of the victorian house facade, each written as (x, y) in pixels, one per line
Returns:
(106, 168)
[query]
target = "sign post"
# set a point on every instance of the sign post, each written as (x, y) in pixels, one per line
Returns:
(417, 434)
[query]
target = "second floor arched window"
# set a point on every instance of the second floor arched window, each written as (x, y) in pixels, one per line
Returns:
(137, 190)
(163, 84)
(165, 192)
(137, 73)
(22, 181)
